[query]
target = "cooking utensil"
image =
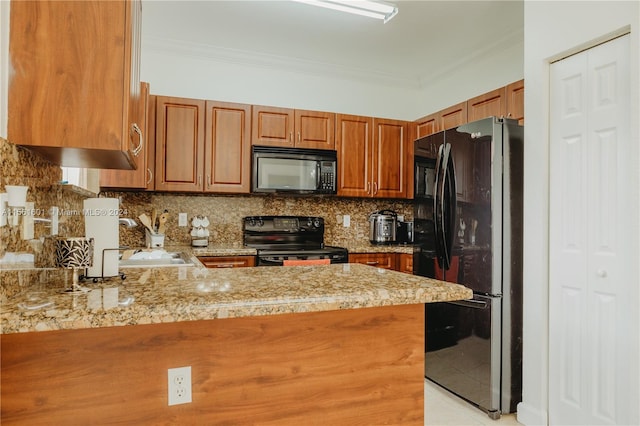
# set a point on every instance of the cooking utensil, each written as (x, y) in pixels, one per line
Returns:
(162, 220)
(154, 217)
(144, 219)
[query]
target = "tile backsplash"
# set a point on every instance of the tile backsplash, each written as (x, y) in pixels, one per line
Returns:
(22, 167)
(225, 214)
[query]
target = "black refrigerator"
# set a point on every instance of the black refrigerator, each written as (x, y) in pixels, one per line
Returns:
(469, 231)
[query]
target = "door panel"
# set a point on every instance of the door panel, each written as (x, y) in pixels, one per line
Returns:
(179, 144)
(272, 126)
(390, 158)
(228, 148)
(353, 143)
(593, 266)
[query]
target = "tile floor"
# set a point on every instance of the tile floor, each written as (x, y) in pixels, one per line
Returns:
(444, 408)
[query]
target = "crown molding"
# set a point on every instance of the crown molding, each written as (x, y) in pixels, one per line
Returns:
(267, 61)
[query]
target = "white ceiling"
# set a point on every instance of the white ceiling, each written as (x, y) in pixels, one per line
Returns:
(425, 41)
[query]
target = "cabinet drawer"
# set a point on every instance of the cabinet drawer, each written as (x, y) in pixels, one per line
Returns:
(379, 260)
(228, 261)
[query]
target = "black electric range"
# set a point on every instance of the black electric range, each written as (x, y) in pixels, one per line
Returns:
(280, 238)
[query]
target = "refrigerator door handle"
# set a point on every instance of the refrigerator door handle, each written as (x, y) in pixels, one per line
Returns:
(437, 207)
(472, 303)
(446, 209)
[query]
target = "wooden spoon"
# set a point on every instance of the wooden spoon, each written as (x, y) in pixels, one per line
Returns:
(162, 220)
(146, 222)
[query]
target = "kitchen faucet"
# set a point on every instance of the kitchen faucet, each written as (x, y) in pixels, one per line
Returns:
(128, 222)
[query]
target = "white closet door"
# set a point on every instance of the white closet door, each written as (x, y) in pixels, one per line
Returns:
(593, 271)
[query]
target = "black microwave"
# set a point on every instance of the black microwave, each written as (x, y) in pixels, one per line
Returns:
(425, 176)
(293, 170)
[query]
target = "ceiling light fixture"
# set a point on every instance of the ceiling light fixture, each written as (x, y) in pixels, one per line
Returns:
(372, 9)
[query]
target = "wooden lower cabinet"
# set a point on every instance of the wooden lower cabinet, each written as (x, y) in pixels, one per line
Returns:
(402, 262)
(379, 260)
(405, 263)
(228, 261)
(356, 366)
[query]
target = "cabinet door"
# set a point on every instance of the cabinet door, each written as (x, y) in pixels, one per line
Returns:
(133, 179)
(490, 104)
(314, 129)
(228, 261)
(379, 260)
(453, 116)
(427, 125)
(515, 101)
(151, 144)
(75, 83)
(228, 147)
(353, 143)
(405, 263)
(272, 126)
(390, 159)
(179, 144)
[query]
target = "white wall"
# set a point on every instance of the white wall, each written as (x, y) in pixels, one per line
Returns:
(547, 38)
(197, 73)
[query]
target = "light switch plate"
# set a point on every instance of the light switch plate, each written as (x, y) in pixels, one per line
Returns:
(182, 219)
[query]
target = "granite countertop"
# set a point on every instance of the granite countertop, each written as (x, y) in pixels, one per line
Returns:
(173, 294)
(381, 248)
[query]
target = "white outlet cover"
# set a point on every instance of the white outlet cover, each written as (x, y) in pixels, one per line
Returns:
(179, 385)
(346, 220)
(182, 219)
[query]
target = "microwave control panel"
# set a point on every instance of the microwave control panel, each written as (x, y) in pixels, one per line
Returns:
(328, 176)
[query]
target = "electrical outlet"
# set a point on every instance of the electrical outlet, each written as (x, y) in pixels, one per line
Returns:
(182, 219)
(346, 220)
(179, 385)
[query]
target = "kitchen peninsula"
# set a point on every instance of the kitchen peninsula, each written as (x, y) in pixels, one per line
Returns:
(335, 344)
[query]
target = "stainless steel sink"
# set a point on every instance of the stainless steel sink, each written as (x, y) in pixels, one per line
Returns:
(170, 258)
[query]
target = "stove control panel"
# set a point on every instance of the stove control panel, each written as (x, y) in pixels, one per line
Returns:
(278, 224)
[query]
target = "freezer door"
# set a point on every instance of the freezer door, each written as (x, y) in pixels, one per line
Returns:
(463, 351)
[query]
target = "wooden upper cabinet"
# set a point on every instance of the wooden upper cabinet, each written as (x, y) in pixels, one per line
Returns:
(139, 178)
(427, 125)
(515, 101)
(228, 147)
(390, 158)
(314, 129)
(273, 126)
(490, 104)
(179, 144)
(151, 143)
(354, 144)
(373, 156)
(453, 116)
(75, 86)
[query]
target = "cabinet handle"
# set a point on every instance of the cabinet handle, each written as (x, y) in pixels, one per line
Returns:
(150, 176)
(372, 262)
(291, 137)
(375, 188)
(299, 137)
(136, 151)
(208, 181)
(368, 186)
(199, 179)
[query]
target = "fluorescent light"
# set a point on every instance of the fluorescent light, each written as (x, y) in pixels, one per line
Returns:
(370, 8)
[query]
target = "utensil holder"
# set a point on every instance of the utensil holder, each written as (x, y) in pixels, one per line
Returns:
(153, 240)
